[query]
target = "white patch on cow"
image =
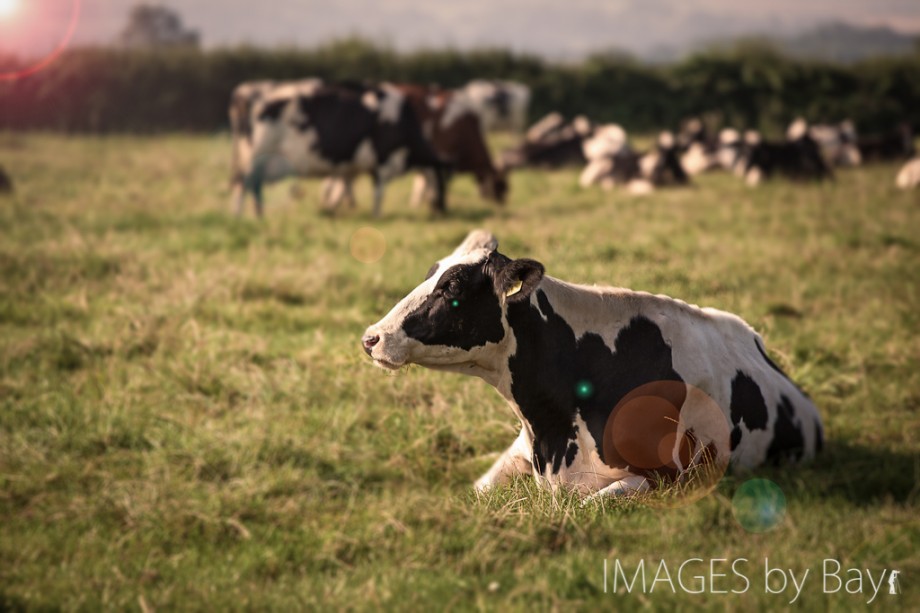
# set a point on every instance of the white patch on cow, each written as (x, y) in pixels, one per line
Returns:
(458, 106)
(797, 129)
(392, 103)
(696, 159)
(752, 137)
(640, 187)
(909, 175)
(647, 163)
(595, 171)
(666, 139)
(583, 126)
(607, 140)
(587, 473)
(370, 101)
(547, 125)
(753, 177)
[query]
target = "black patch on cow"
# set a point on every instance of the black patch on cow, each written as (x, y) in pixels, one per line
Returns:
(571, 452)
(788, 442)
(735, 437)
(272, 110)
(461, 311)
(431, 271)
(747, 403)
(340, 119)
(550, 362)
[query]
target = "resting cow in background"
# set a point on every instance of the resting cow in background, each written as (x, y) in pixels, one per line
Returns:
(797, 158)
(909, 175)
(837, 143)
(613, 162)
(456, 135)
(614, 389)
(501, 105)
(313, 129)
(701, 152)
(895, 145)
(552, 142)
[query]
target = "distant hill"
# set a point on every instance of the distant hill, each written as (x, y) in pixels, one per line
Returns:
(843, 42)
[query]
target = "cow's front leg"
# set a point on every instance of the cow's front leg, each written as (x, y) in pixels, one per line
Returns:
(627, 486)
(515, 461)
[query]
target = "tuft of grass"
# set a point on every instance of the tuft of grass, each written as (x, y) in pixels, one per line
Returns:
(187, 420)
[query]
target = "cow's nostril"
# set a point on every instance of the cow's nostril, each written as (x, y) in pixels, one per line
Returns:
(369, 341)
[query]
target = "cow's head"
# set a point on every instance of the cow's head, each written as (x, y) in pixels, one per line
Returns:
(494, 185)
(456, 319)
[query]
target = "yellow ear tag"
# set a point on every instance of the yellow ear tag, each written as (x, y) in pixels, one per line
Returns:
(514, 289)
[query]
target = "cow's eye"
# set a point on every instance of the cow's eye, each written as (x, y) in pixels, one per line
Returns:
(453, 288)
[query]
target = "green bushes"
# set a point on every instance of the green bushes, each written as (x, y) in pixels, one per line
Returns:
(109, 90)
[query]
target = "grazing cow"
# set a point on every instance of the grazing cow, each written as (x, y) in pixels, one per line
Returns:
(895, 145)
(837, 143)
(612, 162)
(909, 175)
(456, 134)
(6, 183)
(575, 361)
(310, 128)
(796, 158)
(501, 105)
(551, 143)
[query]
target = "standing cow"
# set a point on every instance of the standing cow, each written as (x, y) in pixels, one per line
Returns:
(455, 132)
(575, 361)
(315, 129)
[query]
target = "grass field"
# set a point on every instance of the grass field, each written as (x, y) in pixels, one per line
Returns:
(187, 420)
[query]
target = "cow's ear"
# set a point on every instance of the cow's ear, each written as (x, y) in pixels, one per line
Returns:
(518, 279)
(477, 239)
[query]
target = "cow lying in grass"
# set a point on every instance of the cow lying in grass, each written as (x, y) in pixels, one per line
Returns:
(571, 360)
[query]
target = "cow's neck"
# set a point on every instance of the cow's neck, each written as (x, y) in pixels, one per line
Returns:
(540, 381)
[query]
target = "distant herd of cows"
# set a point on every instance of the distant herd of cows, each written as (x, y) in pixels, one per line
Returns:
(341, 130)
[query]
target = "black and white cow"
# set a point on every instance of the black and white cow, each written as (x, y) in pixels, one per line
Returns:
(797, 158)
(551, 142)
(314, 129)
(501, 105)
(613, 162)
(570, 359)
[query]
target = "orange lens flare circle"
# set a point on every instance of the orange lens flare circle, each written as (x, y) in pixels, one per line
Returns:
(15, 75)
(675, 435)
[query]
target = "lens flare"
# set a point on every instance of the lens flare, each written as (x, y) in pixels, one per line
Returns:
(8, 7)
(368, 245)
(11, 7)
(759, 505)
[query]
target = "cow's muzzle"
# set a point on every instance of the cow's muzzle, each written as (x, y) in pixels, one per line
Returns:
(368, 341)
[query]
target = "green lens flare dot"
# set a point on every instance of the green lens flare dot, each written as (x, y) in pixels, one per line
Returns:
(759, 505)
(455, 303)
(584, 389)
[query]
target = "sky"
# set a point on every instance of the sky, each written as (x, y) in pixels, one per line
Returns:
(552, 28)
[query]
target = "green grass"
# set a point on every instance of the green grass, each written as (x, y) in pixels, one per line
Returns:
(187, 420)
